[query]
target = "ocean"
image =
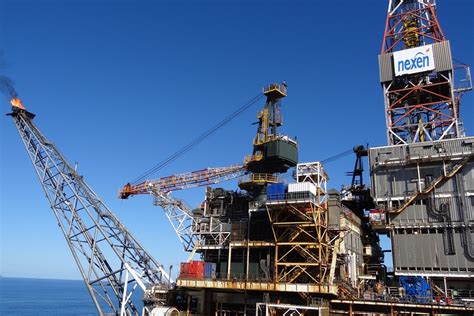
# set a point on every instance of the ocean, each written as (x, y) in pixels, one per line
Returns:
(22, 297)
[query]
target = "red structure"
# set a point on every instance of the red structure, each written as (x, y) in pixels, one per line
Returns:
(411, 23)
(192, 270)
(417, 75)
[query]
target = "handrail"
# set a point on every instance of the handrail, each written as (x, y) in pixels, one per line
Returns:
(260, 178)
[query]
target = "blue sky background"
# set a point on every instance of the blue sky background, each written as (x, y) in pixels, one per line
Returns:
(120, 85)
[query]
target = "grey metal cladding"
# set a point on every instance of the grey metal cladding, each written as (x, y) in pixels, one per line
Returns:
(403, 181)
(423, 214)
(334, 213)
(423, 253)
(419, 233)
(442, 56)
(434, 150)
(386, 67)
(441, 53)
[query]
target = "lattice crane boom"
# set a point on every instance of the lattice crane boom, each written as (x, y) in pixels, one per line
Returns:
(183, 181)
(179, 215)
(111, 261)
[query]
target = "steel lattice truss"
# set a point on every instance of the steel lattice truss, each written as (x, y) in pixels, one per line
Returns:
(302, 243)
(179, 215)
(421, 109)
(190, 233)
(398, 32)
(300, 229)
(418, 107)
(183, 181)
(111, 261)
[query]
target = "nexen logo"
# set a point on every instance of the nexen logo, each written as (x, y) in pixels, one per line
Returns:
(413, 60)
(419, 61)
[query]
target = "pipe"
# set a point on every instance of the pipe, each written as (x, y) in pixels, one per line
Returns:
(468, 244)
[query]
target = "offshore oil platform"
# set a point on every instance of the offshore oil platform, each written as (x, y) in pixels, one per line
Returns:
(279, 247)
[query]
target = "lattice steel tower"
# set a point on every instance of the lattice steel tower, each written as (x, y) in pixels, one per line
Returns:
(417, 75)
(422, 181)
(111, 261)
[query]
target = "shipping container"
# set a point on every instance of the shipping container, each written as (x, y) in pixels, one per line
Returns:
(276, 188)
(210, 270)
(192, 270)
(302, 187)
(184, 269)
(276, 191)
(197, 269)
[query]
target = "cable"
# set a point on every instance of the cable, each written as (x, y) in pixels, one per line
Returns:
(197, 140)
(338, 156)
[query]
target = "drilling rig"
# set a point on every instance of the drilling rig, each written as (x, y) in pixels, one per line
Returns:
(422, 180)
(290, 246)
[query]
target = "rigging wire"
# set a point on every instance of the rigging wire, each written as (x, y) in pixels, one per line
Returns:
(337, 156)
(197, 140)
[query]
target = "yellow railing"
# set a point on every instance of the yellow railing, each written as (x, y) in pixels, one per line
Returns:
(275, 87)
(260, 178)
(256, 157)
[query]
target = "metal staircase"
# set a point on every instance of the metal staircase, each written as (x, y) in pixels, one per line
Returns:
(346, 290)
(433, 185)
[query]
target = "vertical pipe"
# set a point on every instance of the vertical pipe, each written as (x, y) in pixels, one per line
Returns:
(248, 248)
(229, 261)
(275, 271)
(445, 288)
(419, 177)
(247, 263)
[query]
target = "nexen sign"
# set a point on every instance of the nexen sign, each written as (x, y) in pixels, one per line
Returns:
(413, 60)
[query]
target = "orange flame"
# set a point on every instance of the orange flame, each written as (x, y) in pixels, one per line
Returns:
(16, 102)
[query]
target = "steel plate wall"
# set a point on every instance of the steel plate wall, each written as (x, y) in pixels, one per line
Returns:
(418, 231)
(442, 56)
(423, 253)
(394, 171)
(386, 67)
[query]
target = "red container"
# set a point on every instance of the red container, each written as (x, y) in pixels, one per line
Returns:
(197, 269)
(184, 270)
(192, 270)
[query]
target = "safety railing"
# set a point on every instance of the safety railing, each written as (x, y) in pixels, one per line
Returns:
(250, 158)
(393, 294)
(260, 178)
(275, 87)
(292, 196)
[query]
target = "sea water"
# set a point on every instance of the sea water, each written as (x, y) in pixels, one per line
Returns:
(21, 297)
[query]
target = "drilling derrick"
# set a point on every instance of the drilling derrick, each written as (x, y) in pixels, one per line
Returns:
(417, 75)
(422, 181)
(111, 261)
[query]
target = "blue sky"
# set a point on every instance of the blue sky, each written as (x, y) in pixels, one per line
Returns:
(120, 85)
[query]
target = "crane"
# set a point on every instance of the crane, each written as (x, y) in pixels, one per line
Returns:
(267, 141)
(179, 215)
(111, 261)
